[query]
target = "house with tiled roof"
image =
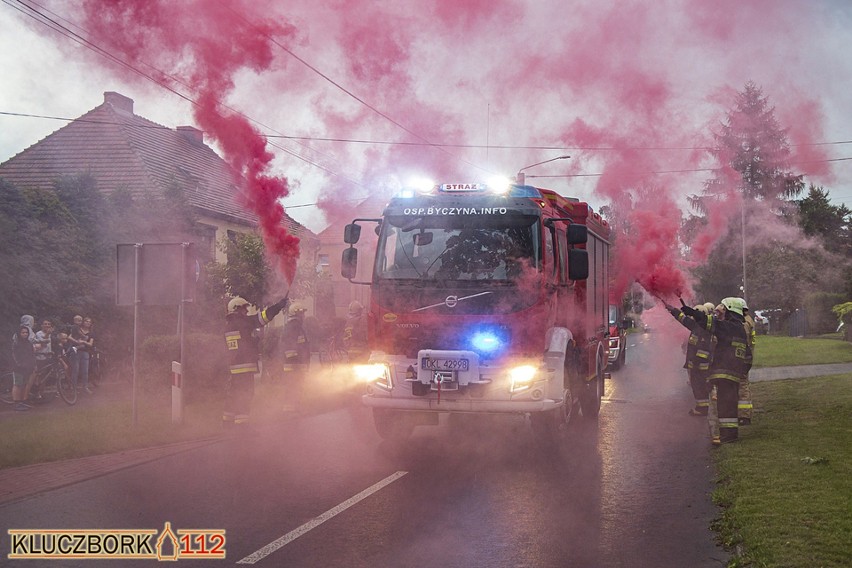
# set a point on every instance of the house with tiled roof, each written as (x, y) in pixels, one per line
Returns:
(122, 150)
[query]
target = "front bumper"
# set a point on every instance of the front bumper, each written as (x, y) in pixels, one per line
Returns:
(462, 404)
(613, 354)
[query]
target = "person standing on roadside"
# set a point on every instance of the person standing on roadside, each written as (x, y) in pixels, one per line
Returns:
(43, 347)
(84, 341)
(244, 353)
(744, 405)
(43, 344)
(699, 354)
(355, 333)
(732, 360)
(28, 322)
(64, 350)
(297, 357)
(23, 357)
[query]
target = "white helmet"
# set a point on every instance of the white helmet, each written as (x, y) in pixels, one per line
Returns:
(356, 308)
(734, 305)
(236, 303)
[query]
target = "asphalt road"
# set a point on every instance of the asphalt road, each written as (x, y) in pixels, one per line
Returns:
(324, 490)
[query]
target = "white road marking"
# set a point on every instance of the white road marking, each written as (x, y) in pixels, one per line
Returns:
(316, 521)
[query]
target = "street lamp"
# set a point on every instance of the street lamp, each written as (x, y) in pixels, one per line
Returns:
(520, 179)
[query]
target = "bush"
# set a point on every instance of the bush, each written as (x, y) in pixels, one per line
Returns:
(819, 306)
(206, 365)
(844, 312)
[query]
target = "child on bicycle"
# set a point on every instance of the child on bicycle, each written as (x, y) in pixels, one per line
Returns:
(23, 355)
(64, 350)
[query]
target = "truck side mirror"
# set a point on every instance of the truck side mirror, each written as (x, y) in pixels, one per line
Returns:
(349, 262)
(577, 234)
(351, 233)
(578, 264)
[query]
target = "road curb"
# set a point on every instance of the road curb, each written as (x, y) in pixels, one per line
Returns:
(17, 483)
(798, 372)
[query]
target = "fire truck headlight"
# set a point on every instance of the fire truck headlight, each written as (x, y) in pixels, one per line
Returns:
(377, 373)
(421, 185)
(499, 185)
(522, 376)
(613, 343)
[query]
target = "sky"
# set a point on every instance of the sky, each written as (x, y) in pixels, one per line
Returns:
(369, 95)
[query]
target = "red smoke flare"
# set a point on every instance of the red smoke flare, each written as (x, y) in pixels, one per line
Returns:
(202, 45)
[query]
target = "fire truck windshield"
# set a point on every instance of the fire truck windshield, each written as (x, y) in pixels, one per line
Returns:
(458, 247)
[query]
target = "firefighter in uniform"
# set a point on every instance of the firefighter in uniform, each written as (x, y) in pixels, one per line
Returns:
(744, 406)
(244, 351)
(355, 334)
(297, 357)
(731, 361)
(699, 354)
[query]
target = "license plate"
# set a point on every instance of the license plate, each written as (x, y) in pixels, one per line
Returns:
(445, 364)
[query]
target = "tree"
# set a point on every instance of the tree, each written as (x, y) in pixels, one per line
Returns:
(753, 152)
(831, 223)
(752, 144)
(247, 272)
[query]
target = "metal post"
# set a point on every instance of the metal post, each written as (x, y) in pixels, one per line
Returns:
(742, 219)
(177, 393)
(137, 249)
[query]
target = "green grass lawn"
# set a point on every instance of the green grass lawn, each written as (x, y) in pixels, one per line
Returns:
(61, 432)
(786, 487)
(779, 351)
(104, 424)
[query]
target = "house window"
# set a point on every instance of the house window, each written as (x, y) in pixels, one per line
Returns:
(322, 264)
(207, 242)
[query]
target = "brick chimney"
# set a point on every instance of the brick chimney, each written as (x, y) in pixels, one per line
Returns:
(119, 102)
(192, 134)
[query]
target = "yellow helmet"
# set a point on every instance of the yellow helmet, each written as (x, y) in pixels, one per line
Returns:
(701, 308)
(236, 303)
(709, 306)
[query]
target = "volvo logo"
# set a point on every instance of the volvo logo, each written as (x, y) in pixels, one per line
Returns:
(451, 301)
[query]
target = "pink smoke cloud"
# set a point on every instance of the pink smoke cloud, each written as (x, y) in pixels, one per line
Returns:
(642, 79)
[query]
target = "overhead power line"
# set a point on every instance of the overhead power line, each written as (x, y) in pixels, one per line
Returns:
(441, 144)
(51, 23)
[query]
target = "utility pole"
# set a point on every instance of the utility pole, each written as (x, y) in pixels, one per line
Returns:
(742, 219)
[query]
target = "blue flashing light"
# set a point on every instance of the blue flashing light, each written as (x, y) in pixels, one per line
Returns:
(524, 191)
(488, 341)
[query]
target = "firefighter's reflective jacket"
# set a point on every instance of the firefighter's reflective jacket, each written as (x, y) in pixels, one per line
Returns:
(732, 356)
(241, 335)
(701, 343)
(294, 343)
(355, 338)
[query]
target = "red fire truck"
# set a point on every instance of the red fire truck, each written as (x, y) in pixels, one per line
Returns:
(485, 299)
(618, 325)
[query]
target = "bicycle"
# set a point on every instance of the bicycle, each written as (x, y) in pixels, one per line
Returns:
(333, 354)
(97, 366)
(53, 378)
